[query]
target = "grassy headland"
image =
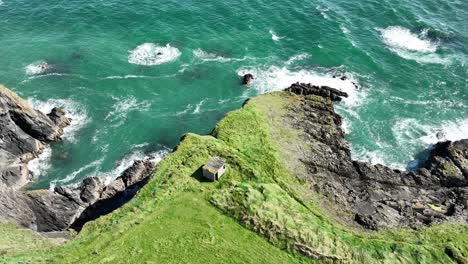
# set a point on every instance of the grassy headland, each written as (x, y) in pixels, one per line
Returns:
(259, 212)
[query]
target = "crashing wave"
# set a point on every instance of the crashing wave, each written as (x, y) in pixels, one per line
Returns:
(150, 54)
(74, 110)
(274, 78)
(41, 163)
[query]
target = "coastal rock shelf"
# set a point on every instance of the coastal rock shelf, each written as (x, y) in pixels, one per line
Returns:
(374, 195)
(24, 133)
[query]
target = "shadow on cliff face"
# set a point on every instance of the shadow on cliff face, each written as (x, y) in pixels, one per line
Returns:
(107, 206)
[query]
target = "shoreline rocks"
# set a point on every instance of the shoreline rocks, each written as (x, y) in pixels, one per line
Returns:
(375, 196)
(24, 133)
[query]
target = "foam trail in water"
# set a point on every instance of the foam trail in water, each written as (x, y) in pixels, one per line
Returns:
(150, 54)
(297, 58)
(123, 106)
(198, 106)
(275, 37)
(205, 56)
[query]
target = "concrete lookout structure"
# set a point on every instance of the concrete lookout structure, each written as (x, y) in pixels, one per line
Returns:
(214, 169)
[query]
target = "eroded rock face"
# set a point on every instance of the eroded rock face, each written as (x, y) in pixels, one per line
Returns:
(24, 132)
(374, 195)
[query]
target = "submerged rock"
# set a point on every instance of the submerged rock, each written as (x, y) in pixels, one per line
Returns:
(375, 196)
(247, 79)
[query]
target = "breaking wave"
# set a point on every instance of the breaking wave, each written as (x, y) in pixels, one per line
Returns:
(411, 46)
(150, 54)
(74, 110)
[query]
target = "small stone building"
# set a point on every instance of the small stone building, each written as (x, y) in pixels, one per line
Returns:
(214, 169)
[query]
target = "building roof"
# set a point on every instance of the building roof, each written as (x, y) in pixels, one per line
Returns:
(214, 164)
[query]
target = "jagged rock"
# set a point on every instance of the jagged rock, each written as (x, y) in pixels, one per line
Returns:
(374, 195)
(24, 132)
(60, 209)
(247, 79)
(324, 91)
(23, 135)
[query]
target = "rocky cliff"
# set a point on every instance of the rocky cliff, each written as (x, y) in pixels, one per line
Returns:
(24, 132)
(375, 196)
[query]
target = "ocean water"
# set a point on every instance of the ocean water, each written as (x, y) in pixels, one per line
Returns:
(136, 75)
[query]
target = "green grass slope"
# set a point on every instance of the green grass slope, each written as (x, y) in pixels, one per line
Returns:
(257, 213)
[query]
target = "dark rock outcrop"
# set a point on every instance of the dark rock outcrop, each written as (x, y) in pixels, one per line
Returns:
(74, 205)
(375, 196)
(247, 79)
(324, 91)
(24, 132)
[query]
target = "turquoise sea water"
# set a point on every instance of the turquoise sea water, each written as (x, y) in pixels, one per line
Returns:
(409, 59)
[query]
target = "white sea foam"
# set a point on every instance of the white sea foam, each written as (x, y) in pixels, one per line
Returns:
(1, 3)
(275, 37)
(42, 163)
(74, 110)
(411, 46)
(376, 157)
(403, 38)
(346, 125)
(150, 54)
(415, 136)
(37, 67)
(276, 78)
